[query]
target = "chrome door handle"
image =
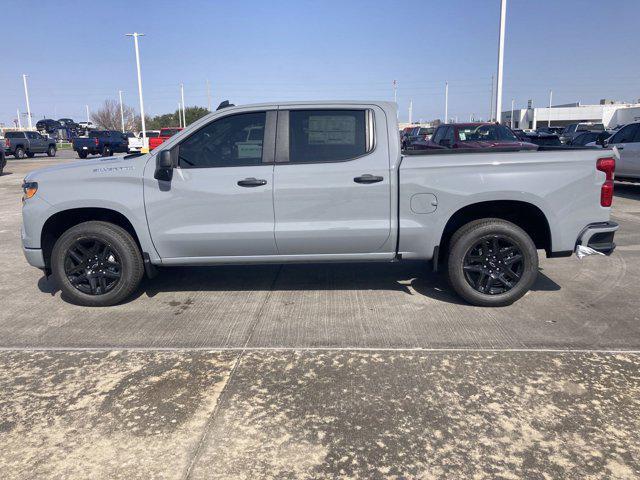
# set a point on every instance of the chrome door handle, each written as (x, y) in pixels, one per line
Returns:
(252, 182)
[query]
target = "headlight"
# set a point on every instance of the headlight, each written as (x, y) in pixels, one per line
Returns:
(29, 189)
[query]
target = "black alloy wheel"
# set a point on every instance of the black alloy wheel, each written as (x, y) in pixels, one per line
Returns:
(92, 266)
(493, 265)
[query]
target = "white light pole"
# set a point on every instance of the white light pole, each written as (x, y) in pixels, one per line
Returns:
(87, 108)
(179, 114)
(550, 100)
(184, 114)
(121, 110)
(145, 145)
(503, 15)
(26, 96)
(410, 110)
(395, 95)
(446, 102)
(19, 122)
(512, 104)
(491, 104)
(208, 94)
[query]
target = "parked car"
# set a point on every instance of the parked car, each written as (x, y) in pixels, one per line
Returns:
(165, 134)
(542, 139)
(418, 133)
(627, 142)
(473, 135)
(550, 130)
(591, 136)
(27, 144)
(48, 125)
(85, 126)
(332, 185)
(3, 161)
(573, 130)
(69, 123)
(135, 142)
(101, 142)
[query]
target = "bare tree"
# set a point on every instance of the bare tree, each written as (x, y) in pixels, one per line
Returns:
(108, 116)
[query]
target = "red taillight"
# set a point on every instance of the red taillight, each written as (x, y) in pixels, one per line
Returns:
(6, 143)
(96, 141)
(608, 166)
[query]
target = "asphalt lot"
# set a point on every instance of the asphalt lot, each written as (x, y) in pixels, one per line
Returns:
(322, 371)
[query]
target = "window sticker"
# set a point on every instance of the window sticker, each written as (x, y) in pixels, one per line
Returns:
(332, 130)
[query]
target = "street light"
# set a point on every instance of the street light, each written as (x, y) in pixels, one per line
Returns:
(446, 102)
(26, 95)
(184, 114)
(503, 15)
(135, 35)
(121, 110)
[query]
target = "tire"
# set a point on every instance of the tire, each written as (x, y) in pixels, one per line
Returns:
(51, 151)
(19, 153)
(82, 154)
(120, 256)
(31, 154)
(106, 151)
(492, 245)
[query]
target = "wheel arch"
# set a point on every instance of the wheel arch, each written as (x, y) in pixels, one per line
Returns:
(63, 220)
(526, 215)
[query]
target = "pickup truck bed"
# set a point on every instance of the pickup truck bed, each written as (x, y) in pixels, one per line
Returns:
(315, 182)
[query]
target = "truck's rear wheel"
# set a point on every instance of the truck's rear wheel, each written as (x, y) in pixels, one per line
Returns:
(19, 152)
(82, 154)
(106, 151)
(51, 151)
(96, 264)
(492, 262)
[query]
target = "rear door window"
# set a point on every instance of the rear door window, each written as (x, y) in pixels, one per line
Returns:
(326, 135)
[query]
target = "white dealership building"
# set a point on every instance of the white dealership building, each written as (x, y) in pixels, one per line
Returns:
(607, 112)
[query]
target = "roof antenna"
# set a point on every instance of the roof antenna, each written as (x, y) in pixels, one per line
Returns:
(224, 104)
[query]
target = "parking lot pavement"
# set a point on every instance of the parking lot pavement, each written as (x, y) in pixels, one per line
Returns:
(319, 414)
(317, 371)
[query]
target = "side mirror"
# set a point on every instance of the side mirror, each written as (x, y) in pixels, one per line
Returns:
(164, 166)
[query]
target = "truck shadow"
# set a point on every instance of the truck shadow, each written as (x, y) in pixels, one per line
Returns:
(409, 278)
(627, 190)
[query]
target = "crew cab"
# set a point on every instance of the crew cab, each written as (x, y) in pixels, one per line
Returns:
(325, 182)
(165, 134)
(101, 142)
(27, 144)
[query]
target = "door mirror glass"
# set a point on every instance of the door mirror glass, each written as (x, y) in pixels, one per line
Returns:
(164, 166)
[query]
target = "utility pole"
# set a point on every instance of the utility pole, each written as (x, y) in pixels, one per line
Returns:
(395, 95)
(87, 107)
(208, 94)
(26, 96)
(503, 15)
(121, 110)
(410, 110)
(513, 101)
(19, 122)
(145, 145)
(184, 114)
(446, 102)
(491, 106)
(550, 100)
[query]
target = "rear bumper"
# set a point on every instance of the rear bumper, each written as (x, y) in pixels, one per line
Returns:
(34, 257)
(599, 236)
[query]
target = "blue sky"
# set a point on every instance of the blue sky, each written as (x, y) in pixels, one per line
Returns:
(75, 53)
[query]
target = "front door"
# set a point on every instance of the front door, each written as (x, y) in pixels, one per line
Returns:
(332, 187)
(627, 139)
(220, 200)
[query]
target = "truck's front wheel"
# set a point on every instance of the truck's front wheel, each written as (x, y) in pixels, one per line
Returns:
(82, 154)
(492, 262)
(96, 264)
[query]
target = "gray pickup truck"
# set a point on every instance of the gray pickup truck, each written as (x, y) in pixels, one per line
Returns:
(314, 182)
(27, 144)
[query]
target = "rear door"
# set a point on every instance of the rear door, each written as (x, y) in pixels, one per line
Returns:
(220, 200)
(332, 188)
(627, 140)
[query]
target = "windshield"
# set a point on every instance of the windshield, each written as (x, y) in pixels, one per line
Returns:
(169, 132)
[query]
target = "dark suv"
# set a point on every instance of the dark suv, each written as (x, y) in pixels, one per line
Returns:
(48, 125)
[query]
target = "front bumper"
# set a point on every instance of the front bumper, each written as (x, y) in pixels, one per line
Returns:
(35, 257)
(599, 237)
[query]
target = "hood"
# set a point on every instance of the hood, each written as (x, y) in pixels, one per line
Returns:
(84, 168)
